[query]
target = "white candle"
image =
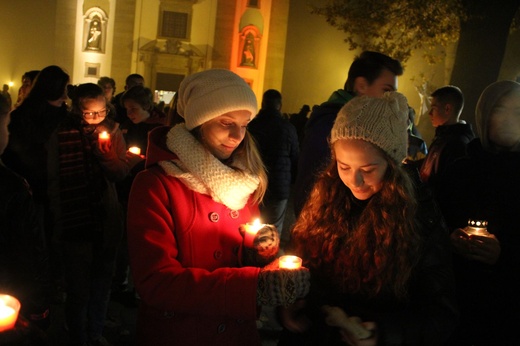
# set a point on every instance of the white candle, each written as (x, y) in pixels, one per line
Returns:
(9, 309)
(135, 150)
(289, 262)
(251, 231)
(104, 137)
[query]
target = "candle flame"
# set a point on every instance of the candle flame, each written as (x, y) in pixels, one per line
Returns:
(135, 150)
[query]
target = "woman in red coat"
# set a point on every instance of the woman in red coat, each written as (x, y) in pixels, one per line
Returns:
(204, 179)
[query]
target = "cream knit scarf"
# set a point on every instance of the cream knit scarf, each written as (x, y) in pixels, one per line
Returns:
(204, 173)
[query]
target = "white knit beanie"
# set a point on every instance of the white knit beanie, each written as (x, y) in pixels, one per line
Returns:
(380, 121)
(208, 94)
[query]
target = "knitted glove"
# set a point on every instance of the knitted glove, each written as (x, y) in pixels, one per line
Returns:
(281, 286)
(262, 249)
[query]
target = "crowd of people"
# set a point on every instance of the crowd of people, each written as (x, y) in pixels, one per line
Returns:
(380, 218)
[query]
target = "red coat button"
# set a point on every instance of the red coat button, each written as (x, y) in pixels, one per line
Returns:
(214, 217)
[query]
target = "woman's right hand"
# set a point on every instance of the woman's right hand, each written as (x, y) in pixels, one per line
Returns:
(351, 340)
(281, 287)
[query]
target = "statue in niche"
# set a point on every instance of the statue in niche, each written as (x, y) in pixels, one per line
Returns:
(94, 36)
(248, 52)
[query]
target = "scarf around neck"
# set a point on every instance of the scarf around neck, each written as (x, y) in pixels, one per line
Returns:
(202, 172)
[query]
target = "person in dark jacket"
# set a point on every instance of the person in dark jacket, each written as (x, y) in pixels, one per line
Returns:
(299, 120)
(371, 73)
(32, 130)
(130, 81)
(142, 117)
(24, 259)
(484, 185)
(373, 239)
(278, 145)
(452, 135)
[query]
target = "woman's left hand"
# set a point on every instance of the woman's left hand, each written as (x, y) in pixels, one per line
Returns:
(485, 249)
(133, 159)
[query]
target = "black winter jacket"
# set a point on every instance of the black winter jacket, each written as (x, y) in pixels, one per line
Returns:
(278, 144)
(24, 261)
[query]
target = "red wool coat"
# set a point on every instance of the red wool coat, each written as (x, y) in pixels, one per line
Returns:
(184, 259)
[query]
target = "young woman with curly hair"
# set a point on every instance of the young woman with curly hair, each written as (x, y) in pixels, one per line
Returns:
(373, 240)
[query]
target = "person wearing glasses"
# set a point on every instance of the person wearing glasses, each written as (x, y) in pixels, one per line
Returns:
(88, 214)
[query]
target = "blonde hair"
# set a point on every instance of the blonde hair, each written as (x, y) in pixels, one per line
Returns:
(248, 155)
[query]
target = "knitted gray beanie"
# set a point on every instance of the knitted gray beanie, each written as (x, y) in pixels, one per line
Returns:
(380, 121)
(208, 94)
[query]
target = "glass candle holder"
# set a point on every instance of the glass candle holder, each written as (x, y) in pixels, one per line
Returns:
(477, 227)
(9, 310)
(135, 150)
(289, 262)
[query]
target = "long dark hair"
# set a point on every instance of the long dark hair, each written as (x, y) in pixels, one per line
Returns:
(49, 85)
(363, 249)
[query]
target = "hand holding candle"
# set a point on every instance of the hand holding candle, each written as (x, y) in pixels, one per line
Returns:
(135, 150)
(477, 227)
(104, 142)
(9, 309)
(260, 244)
(251, 229)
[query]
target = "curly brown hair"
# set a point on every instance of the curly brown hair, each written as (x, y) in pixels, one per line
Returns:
(363, 249)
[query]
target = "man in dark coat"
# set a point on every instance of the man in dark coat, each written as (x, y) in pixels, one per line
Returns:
(278, 144)
(452, 135)
(370, 74)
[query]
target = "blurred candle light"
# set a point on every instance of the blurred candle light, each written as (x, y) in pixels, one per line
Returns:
(135, 150)
(9, 309)
(290, 262)
(104, 136)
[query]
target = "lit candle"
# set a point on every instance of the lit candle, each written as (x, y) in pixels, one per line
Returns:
(135, 150)
(290, 262)
(9, 309)
(477, 227)
(104, 136)
(251, 231)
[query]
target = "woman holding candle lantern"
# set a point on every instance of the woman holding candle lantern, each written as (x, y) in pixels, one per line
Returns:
(484, 185)
(88, 214)
(186, 218)
(373, 240)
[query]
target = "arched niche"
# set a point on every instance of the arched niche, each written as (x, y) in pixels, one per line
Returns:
(94, 30)
(249, 47)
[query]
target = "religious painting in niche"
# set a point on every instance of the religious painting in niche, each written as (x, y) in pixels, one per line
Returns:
(94, 30)
(249, 44)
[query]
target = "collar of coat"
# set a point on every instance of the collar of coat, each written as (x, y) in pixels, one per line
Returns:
(202, 172)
